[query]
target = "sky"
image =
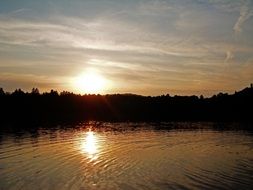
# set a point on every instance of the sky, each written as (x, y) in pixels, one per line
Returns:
(147, 47)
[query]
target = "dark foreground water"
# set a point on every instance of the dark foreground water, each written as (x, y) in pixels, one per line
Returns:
(127, 156)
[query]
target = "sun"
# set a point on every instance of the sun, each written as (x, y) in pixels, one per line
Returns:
(90, 82)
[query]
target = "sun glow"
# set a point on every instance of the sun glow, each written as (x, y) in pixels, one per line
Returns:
(90, 82)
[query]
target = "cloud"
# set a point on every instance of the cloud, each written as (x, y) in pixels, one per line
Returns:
(245, 13)
(229, 55)
(154, 7)
(115, 35)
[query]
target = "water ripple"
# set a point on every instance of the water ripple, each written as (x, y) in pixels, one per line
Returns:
(141, 158)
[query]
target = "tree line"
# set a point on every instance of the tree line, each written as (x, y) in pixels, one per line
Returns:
(36, 107)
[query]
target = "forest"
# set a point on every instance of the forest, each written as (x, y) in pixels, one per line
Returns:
(35, 107)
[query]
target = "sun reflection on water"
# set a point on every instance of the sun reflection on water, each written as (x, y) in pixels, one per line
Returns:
(89, 145)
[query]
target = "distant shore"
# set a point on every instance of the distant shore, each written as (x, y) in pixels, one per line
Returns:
(35, 107)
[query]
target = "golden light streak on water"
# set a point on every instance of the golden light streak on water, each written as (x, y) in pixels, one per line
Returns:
(89, 146)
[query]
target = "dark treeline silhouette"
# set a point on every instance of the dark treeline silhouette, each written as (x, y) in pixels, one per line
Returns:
(35, 107)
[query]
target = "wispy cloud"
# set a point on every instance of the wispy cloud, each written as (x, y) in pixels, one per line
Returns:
(154, 7)
(229, 55)
(97, 35)
(245, 13)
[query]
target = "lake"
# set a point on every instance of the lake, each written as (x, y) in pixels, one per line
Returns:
(127, 156)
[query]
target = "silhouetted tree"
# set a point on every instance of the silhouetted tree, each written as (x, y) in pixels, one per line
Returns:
(35, 91)
(2, 92)
(66, 93)
(18, 92)
(54, 93)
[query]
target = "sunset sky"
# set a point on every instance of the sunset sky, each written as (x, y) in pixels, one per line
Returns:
(147, 47)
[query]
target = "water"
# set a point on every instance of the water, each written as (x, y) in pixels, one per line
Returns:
(127, 156)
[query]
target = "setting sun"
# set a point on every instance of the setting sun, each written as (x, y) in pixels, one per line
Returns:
(89, 82)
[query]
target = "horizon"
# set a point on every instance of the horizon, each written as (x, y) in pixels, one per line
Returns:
(87, 94)
(144, 47)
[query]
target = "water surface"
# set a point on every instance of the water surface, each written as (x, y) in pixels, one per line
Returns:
(127, 156)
